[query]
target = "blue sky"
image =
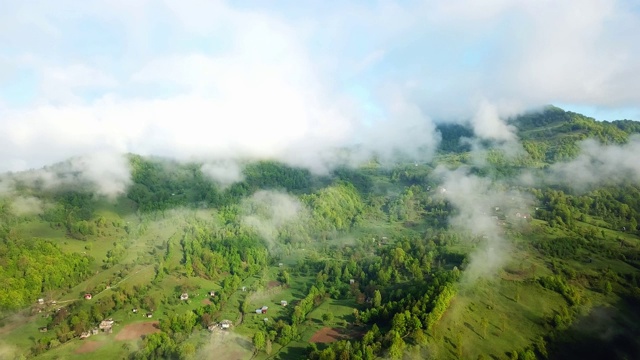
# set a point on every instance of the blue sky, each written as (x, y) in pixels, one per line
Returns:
(291, 79)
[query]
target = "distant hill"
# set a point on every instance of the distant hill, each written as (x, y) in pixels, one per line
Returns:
(548, 135)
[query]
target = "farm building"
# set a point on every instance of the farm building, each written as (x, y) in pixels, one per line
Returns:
(184, 296)
(262, 310)
(43, 329)
(212, 293)
(41, 301)
(149, 315)
(85, 335)
(283, 302)
(225, 324)
(87, 296)
(105, 325)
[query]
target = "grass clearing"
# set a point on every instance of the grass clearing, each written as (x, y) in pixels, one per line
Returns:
(494, 318)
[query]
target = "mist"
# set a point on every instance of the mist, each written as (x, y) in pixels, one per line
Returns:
(269, 212)
(479, 202)
(223, 172)
(27, 205)
(598, 163)
(107, 174)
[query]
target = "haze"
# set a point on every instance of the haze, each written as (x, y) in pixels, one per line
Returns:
(294, 81)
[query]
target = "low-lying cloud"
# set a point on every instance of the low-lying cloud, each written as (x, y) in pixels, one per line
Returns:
(598, 163)
(27, 205)
(268, 212)
(223, 172)
(105, 173)
(480, 203)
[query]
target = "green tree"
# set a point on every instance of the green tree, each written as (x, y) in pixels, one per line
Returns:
(396, 350)
(246, 307)
(327, 317)
(420, 337)
(377, 299)
(259, 340)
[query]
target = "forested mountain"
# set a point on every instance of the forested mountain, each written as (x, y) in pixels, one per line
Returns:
(444, 258)
(549, 135)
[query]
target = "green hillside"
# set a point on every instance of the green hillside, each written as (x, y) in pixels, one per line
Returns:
(453, 258)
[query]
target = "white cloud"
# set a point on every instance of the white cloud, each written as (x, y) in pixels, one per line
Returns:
(223, 172)
(475, 200)
(26, 205)
(60, 84)
(208, 79)
(598, 163)
(268, 212)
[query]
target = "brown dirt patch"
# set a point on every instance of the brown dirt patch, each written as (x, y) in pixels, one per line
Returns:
(88, 346)
(327, 335)
(206, 302)
(273, 284)
(134, 331)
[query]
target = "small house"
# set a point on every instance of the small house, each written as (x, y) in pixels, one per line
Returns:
(212, 293)
(95, 331)
(87, 296)
(280, 264)
(41, 301)
(85, 335)
(184, 296)
(105, 325)
(43, 329)
(225, 324)
(244, 288)
(149, 315)
(283, 302)
(134, 310)
(258, 311)
(265, 319)
(352, 281)
(264, 309)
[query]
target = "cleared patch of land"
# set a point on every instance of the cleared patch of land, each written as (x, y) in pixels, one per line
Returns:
(134, 331)
(88, 346)
(327, 335)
